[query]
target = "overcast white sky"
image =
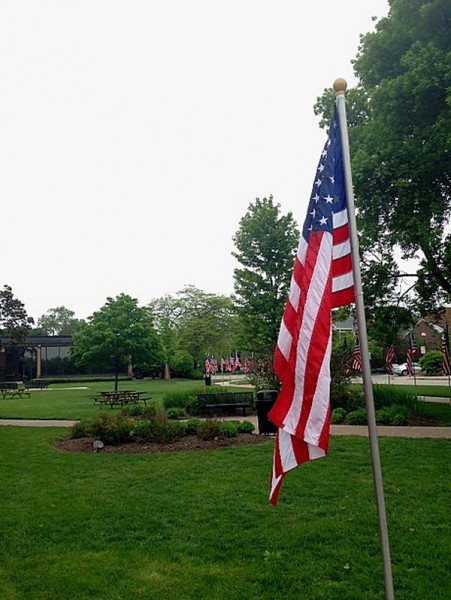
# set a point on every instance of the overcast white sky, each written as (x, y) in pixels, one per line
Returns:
(134, 134)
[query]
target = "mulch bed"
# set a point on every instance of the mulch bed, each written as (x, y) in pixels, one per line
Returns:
(184, 444)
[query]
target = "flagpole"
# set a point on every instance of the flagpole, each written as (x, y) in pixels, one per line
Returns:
(340, 86)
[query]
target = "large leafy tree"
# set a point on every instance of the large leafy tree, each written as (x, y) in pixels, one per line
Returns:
(121, 333)
(265, 244)
(58, 321)
(14, 321)
(399, 119)
(196, 322)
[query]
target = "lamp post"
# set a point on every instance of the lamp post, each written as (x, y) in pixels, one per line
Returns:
(423, 349)
(116, 352)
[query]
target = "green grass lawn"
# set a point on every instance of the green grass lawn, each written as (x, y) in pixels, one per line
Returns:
(197, 525)
(73, 401)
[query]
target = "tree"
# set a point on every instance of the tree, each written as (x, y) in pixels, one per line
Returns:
(400, 143)
(14, 320)
(120, 334)
(265, 243)
(58, 321)
(195, 321)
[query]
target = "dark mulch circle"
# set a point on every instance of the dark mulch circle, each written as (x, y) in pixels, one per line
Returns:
(184, 444)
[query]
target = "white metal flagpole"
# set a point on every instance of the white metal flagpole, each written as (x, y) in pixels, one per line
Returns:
(340, 86)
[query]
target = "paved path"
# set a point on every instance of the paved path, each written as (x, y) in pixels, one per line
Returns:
(360, 430)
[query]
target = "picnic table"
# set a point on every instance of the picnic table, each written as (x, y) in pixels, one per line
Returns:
(13, 390)
(120, 398)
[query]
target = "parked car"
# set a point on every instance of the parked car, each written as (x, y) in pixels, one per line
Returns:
(402, 369)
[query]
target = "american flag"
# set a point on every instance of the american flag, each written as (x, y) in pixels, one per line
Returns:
(389, 358)
(411, 351)
(322, 279)
(356, 356)
(346, 358)
(446, 364)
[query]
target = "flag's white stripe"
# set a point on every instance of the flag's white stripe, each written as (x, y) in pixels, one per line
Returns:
(320, 404)
(340, 218)
(341, 250)
(284, 341)
(315, 452)
(313, 301)
(342, 282)
(287, 457)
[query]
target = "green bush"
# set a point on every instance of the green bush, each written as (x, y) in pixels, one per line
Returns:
(179, 399)
(82, 429)
(383, 417)
(431, 362)
(338, 416)
(399, 414)
(388, 395)
(181, 364)
(175, 413)
(192, 406)
(228, 429)
(245, 427)
(209, 429)
(166, 431)
(356, 417)
(144, 431)
(191, 426)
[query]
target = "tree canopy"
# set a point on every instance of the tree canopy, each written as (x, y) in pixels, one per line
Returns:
(120, 333)
(265, 243)
(195, 321)
(58, 321)
(399, 119)
(14, 321)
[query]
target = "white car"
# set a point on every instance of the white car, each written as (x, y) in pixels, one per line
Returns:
(402, 369)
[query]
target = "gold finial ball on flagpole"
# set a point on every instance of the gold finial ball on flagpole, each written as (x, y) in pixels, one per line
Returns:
(340, 85)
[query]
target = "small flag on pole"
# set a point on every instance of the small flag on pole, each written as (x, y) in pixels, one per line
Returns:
(322, 279)
(346, 359)
(356, 357)
(389, 358)
(411, 352)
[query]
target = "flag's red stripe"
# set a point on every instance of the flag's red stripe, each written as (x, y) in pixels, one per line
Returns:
(341, 234)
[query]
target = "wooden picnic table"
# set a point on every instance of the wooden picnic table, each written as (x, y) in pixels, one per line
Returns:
(120, 397)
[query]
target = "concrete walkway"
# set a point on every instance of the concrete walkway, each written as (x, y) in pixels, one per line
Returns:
(359, 430)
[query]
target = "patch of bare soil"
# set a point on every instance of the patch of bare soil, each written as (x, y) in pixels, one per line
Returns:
(184, 444)
(423, 422)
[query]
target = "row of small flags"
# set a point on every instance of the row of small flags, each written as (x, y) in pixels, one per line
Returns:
(225, 365)
(353, 362)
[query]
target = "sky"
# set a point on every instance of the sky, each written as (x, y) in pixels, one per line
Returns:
(135, 134)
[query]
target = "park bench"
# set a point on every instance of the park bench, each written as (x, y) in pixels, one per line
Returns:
(224, 402)
(37, 384)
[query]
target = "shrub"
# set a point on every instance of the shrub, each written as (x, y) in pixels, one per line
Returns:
(192, 406)
(431, 362)
(356, 417)
(228, 429)
(181, 364)
(399, 414)
(389, 395)
(338, 415)
(144, 431)
(209, 429)
(383, 417)
(175, 413)
(245, 427)
(113, 430)
(191, 426)
(166, 431)
(82, 429)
